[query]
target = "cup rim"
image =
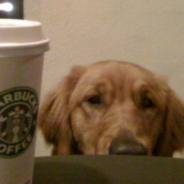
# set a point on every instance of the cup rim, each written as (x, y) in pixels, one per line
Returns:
(23, 45)
(17, 23)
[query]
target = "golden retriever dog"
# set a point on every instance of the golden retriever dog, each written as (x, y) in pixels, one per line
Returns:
(113, 107)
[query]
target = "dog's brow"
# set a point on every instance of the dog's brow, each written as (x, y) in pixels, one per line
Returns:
(139, 86)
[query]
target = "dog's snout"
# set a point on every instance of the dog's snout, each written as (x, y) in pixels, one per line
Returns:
(127, 147)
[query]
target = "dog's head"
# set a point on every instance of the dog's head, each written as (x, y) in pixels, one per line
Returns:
(113, 108)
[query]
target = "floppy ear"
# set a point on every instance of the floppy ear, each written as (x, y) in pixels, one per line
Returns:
(54, 116)
(172, 137)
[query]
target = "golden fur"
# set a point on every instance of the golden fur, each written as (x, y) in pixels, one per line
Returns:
(113, 108)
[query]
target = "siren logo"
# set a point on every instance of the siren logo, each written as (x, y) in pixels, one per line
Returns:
(18, 115)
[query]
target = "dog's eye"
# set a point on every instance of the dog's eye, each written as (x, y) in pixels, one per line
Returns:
(95, 100)
(147, 103)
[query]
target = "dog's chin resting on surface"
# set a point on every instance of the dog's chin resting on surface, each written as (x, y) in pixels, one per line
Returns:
(113, 107)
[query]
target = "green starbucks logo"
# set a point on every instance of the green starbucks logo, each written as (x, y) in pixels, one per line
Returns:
(18, 115)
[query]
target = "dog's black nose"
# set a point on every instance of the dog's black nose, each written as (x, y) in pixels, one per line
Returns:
(127, 147)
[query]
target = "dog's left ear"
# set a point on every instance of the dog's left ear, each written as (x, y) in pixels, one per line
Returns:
(54, 116)
(172, 137)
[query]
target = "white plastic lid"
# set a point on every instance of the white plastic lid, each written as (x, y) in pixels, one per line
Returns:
(21, 38)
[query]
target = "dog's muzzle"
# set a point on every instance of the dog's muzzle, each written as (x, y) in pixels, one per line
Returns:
(123, 145)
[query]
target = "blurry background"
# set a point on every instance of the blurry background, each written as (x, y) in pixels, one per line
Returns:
(11, 9)
(149, 33)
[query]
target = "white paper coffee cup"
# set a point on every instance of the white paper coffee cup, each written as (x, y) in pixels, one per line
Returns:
(22, 47)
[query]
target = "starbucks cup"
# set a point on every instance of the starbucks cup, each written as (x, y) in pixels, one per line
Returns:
(22, 47)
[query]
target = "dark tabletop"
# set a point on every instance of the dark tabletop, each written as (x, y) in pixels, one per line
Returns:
(108, 170)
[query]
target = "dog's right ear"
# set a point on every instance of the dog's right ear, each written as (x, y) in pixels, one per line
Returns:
(172, 136)
(54, 116)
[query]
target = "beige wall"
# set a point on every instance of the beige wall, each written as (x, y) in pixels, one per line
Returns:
(149, 33)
